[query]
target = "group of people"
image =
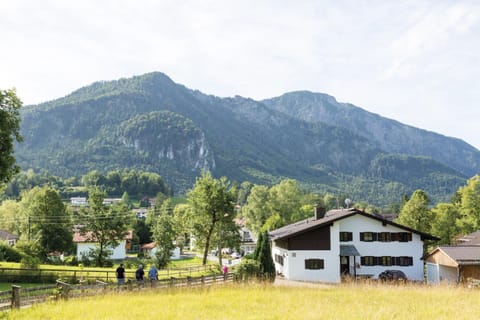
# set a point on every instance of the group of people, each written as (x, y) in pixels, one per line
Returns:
(139, 274)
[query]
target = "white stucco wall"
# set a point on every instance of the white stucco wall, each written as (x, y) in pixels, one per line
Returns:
(433, 273)
(119, 252)
(175, 253)
(414, 248)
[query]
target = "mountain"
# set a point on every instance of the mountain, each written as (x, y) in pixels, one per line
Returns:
(150, 123)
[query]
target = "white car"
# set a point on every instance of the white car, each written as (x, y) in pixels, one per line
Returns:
(235, 255)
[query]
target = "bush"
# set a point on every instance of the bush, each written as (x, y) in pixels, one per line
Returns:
(9, 253)
(248, 269)
(29, 262)
(71, 260)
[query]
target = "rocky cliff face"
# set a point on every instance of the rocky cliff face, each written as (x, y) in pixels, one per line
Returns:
(152, 124)
(388, 135)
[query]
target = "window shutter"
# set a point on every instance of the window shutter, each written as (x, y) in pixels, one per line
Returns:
(350, 236)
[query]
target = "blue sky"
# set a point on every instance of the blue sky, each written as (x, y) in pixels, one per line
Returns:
(417, 62)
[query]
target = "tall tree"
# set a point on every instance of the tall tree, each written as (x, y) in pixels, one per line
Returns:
(257, 208)
(10, 105)
(11, 219)
(226, 235)
(182, 222)
(105, 225)
(470, 205)
(164, 234)
(263, 254)
(415, 213)
(49, 221)
(444, 224)
(211, 200)
(284, 203)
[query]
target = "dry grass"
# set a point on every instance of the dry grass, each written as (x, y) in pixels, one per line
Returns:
(258, 301)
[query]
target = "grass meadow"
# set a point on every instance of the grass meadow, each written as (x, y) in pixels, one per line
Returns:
(259, 301)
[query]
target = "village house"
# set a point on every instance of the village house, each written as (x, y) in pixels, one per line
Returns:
(149, 250)
(346, 242)
(8, 237)
(85, 244)
(455, 264)
(247, 240)
(78, 201)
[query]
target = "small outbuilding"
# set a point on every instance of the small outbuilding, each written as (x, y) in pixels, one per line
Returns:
(453, 264)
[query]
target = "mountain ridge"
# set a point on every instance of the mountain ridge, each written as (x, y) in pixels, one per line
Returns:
(260, 141)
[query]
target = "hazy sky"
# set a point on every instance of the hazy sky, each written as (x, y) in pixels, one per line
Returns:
(414, 61)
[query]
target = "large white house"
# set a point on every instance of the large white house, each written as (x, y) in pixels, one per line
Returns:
(346, 242)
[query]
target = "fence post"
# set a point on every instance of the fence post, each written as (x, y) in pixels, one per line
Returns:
(15, 297)
(172, 281)
(130, 284)
(189, 281)
(65, 287)
(203, 279)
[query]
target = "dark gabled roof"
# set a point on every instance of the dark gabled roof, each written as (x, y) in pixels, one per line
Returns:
(463, 255)
(330, 217)
(471, 239)
(5, 235)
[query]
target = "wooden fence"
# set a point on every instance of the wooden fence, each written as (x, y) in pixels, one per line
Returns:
(76, 275)
(19, 297)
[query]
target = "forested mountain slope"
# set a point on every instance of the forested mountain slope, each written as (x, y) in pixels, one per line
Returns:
(151, 123)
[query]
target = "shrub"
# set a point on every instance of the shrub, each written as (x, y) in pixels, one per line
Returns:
(9, 253)
(248, 269)
(29, 262)
(71, 260)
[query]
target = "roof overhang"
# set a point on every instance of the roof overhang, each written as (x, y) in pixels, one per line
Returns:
(348, 250)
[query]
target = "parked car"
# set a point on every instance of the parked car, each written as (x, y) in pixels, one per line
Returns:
(392, 275)
(235, 255)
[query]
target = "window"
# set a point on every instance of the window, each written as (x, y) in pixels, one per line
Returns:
(368, 236)
(279, 259)
(385, 237)
(404, 236)
(314, 264)
(386, 261)
(404, 261)
(346, 236)
(367, 261)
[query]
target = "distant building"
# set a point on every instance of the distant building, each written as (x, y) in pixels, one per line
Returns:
(149, 250)
(8, 237)
(111, 201)
(78, 201)
(87, 242)
(140, 213)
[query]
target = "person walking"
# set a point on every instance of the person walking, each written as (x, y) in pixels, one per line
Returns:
(120, 272)
(153, 273)
(139, 275)
(225, 271)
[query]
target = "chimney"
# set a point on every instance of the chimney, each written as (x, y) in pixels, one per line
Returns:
(319, 212)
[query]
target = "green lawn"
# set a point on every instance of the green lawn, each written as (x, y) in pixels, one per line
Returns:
(5, 286)
(255, 301)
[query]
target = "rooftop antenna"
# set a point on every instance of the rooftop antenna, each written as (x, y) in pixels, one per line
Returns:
(348, 202)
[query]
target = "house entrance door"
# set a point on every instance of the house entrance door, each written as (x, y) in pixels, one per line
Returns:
(344, 265)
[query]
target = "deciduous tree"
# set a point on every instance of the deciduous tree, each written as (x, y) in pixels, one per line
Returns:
(211, 201)
(10, 105)
(470, 205)
(415, 213)
(49, 222)
(164, 234)
(105, 225)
